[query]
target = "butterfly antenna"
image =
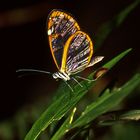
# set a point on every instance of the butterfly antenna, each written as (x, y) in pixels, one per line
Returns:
(89, 80)
(69, 86)
(31, 70)
(77, 82)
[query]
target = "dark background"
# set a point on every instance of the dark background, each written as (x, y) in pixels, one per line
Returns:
(24, 44)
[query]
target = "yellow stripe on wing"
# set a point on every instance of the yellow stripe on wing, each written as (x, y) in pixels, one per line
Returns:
(66, 48)
(52, 15)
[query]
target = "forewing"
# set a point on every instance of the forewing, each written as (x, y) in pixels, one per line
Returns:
(77, 54)
(60, 27)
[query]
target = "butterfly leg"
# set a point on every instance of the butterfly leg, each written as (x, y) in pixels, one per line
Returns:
(77, 82)
(69, 86)
(89, 80)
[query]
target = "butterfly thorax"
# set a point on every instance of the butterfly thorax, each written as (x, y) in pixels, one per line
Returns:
(61, 75)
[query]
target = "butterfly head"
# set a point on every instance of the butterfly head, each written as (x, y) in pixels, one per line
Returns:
(61, 75)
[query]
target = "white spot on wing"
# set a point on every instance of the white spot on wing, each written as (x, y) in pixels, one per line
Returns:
(72, 20)
(49, 32)
(61, 15)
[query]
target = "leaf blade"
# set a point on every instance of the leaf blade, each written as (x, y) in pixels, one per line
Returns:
(65, 102)
(106, 102)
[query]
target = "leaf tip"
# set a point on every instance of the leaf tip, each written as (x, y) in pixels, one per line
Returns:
(130, 49)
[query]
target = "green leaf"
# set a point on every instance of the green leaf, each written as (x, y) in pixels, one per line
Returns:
(112, 63)
(109, 26)
(66, 101)
(65, 127)
(106, 102)
(130, 115)
(116, 117)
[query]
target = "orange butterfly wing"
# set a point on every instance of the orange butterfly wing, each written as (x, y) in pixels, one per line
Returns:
(60, 27)
(77, 53)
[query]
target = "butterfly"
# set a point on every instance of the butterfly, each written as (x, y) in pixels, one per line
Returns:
(71, 48)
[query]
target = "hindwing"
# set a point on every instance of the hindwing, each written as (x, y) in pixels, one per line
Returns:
(78, 51)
